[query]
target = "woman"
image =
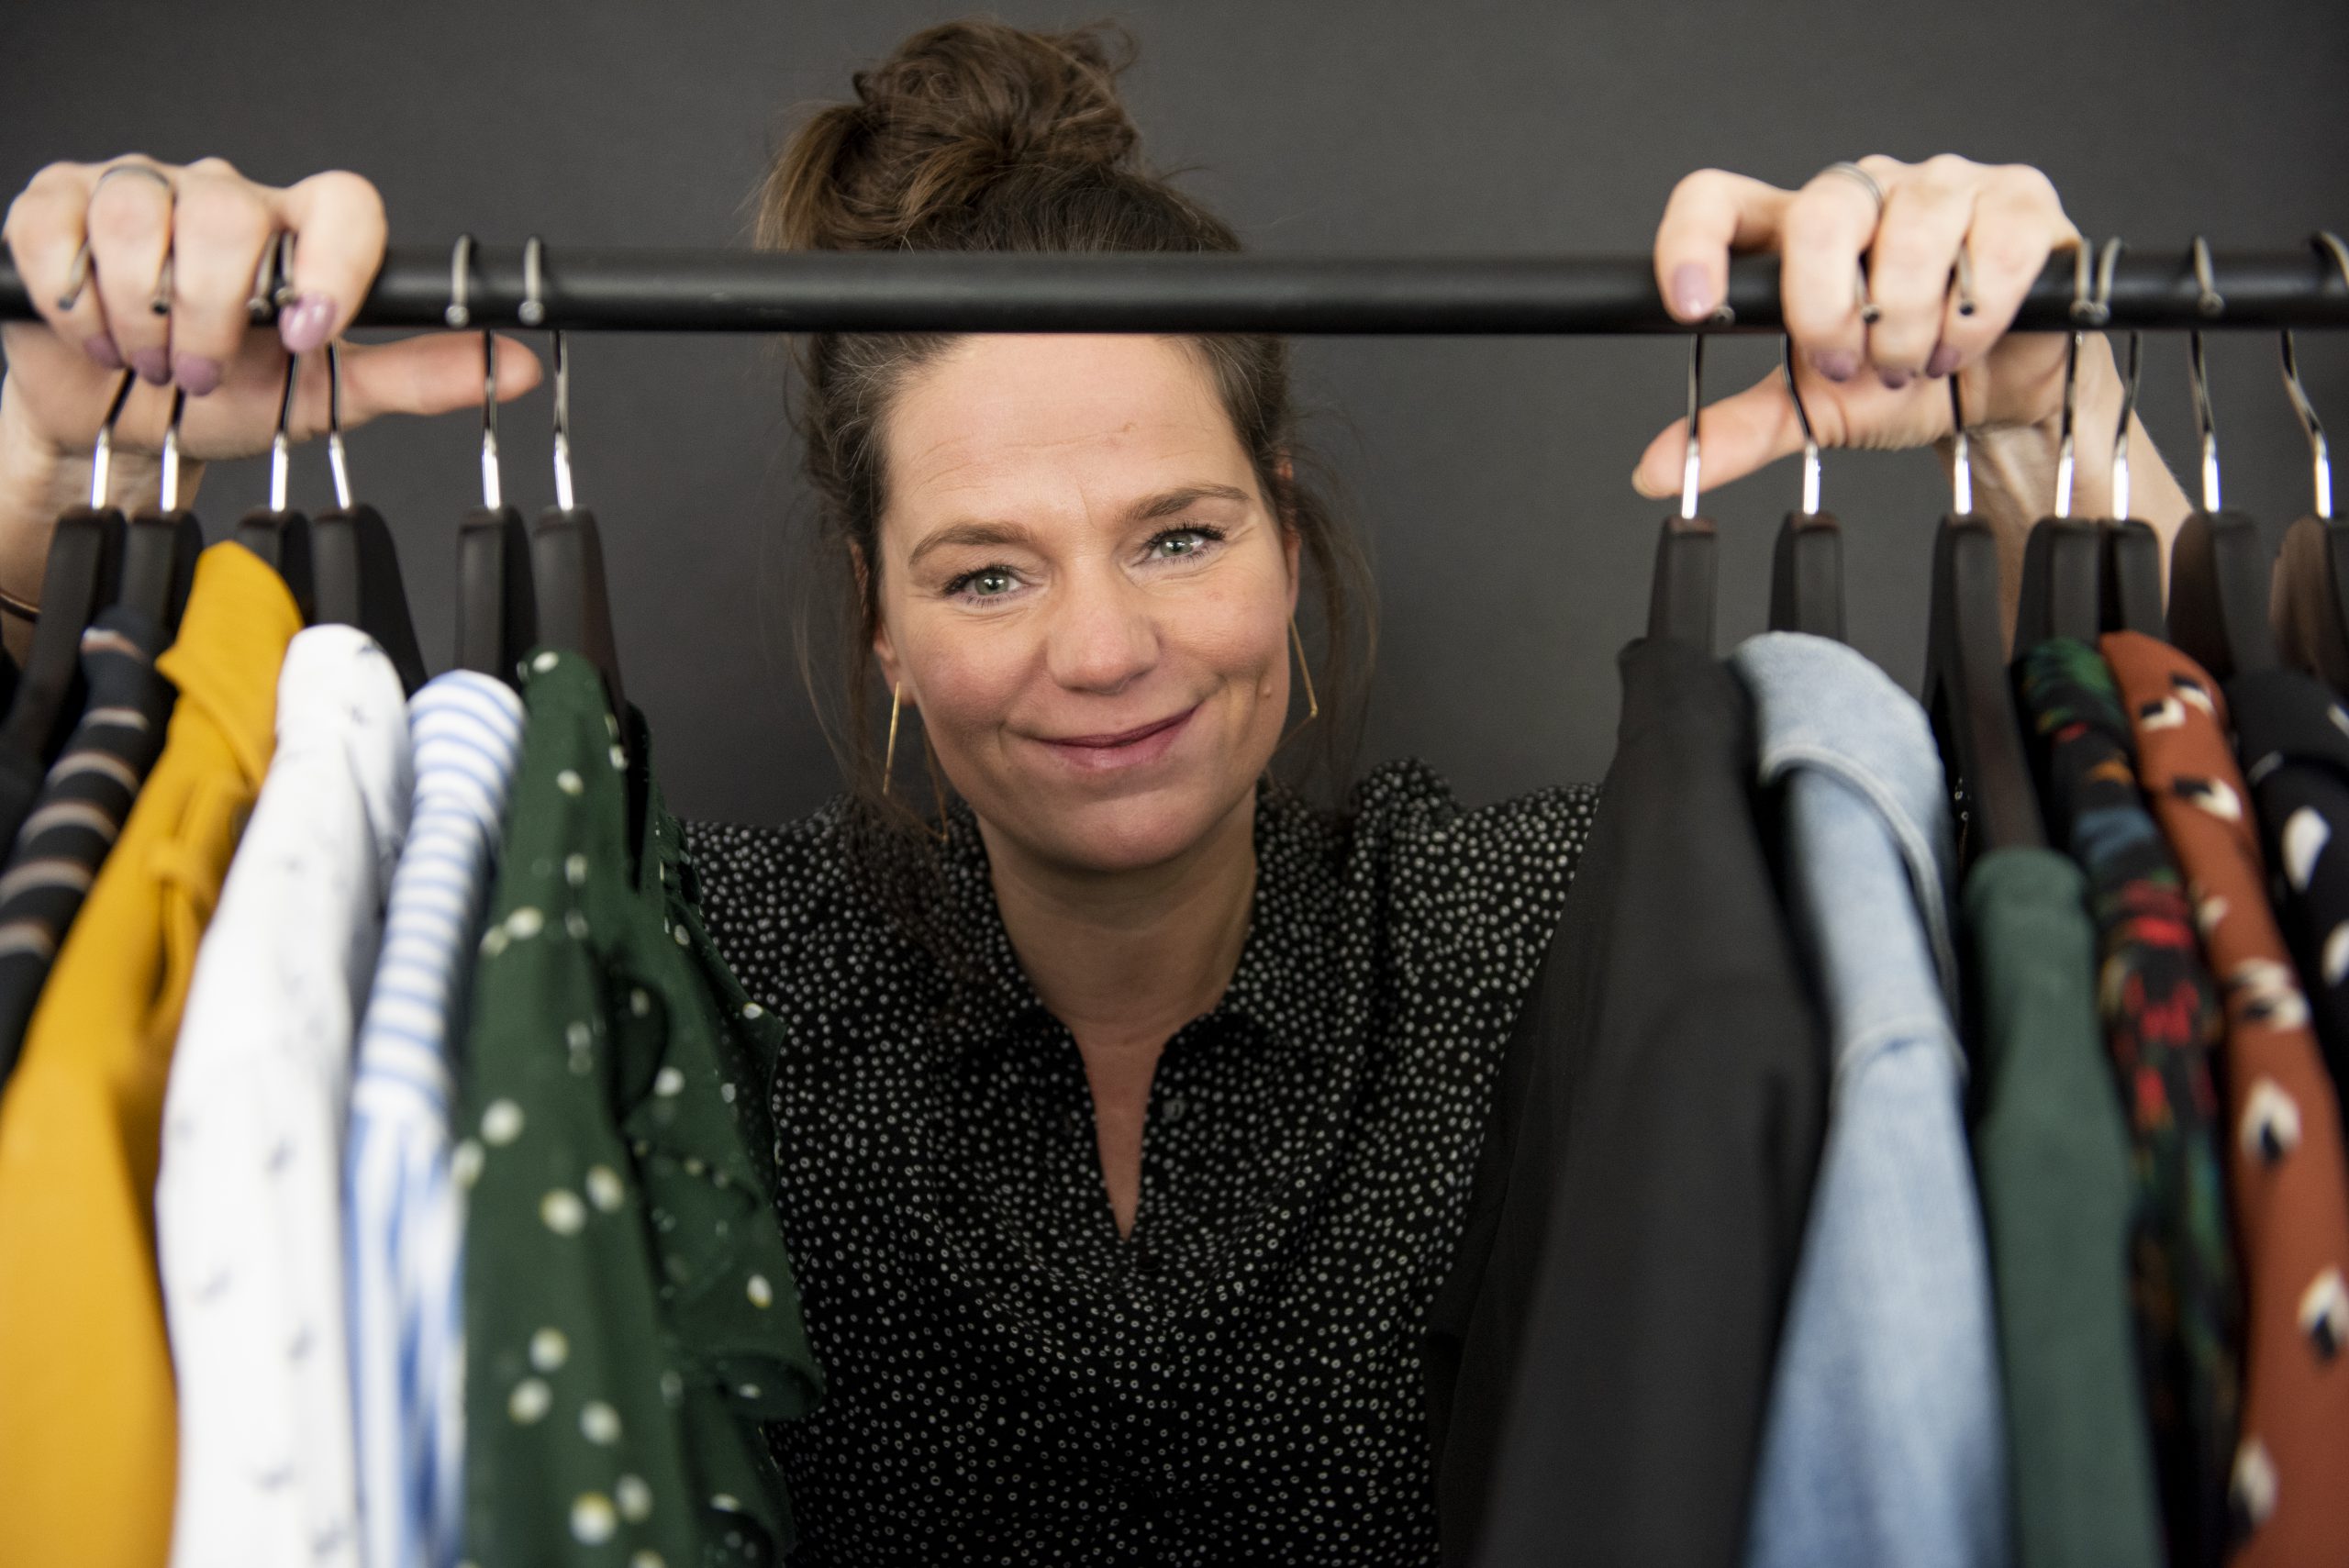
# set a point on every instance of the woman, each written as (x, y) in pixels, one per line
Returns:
(1127, 1120)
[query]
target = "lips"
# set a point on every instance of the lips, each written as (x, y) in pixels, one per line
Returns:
(1124, 748)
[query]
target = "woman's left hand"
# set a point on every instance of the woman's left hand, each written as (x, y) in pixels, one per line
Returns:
(1877, 385)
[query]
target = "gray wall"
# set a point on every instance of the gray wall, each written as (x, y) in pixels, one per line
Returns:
(1491, 474)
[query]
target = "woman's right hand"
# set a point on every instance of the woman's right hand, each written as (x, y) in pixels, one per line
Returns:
(215, 225)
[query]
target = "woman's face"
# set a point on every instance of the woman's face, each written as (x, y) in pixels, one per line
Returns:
(1084, 591)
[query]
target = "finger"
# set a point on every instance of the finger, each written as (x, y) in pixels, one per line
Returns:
(2019, 222)
(337, 221)
(1926, 214)
(43, 233)
(129, 221)
(220, 225)
(435, 373)
(1710, 214)
(1737, 436)
(1826, 228)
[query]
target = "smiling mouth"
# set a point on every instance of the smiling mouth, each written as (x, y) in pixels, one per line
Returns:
(1123, 736)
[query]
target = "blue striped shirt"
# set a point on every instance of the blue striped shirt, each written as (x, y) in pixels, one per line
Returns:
(404, 1221)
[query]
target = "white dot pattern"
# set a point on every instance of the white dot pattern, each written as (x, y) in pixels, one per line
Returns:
(1239, 1379)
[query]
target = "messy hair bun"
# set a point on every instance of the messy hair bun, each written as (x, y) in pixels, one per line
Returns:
(979, 136)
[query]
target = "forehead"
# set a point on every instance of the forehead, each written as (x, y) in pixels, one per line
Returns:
(1007, 414)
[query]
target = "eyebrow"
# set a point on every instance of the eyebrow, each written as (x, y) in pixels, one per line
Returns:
(982, 534)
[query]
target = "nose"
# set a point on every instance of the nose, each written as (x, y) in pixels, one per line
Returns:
(1101, 636)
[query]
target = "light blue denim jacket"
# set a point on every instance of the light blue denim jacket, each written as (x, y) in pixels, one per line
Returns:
(1884, 1446)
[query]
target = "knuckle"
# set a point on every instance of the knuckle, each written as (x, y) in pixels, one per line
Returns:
(1700, 185)
(355, 189)
(213, 169)
(1814, 221)
(1950, 168)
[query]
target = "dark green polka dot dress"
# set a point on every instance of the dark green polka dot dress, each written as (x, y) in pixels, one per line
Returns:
(630, 1312)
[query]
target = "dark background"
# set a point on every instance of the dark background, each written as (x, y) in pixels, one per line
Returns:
(1491, 475)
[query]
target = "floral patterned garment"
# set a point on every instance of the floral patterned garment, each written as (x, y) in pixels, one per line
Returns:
(2162, 1023)
(2288, 1181)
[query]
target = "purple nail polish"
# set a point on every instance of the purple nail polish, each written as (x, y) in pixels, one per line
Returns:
(150, 365)
(102, 352)
(196, 373)
(1692, 295)
(1836, 364)
(304, 326)
(1944, 361)
(1893, 380)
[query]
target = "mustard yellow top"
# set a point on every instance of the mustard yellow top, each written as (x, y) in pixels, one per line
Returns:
(88, 1443)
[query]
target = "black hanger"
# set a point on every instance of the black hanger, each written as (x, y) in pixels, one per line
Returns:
(355, 565)
(82, 576)
(496, 606)
(2310, 600)
(567, 554)
(2132, 550)
(2219, 572)
(1681, 592)
(1807, 563)
(2063, 564)
(1966, 684)
(280, 537)
(159, 545)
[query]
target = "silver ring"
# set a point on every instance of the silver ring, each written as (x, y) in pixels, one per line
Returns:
(1867, 181)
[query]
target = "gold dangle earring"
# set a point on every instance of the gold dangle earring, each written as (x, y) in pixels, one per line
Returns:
(889, 750)
(1312, 704)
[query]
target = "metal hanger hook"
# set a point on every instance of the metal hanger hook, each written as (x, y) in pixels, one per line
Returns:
(461, 260)
(2207, 298)
(493, 493)
(102, 454)
(1692, 465)
(2320, 454)
(281, 444)
(1960, 471)
(534, 311)
(1802, 418)
(2083, 313)
(2120, 435)
(169, 500)
(335, 459)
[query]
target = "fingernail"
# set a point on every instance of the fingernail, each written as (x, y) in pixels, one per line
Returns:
(304, 326)
(101, 350)
(1836, 364)
(195, 373)
(1893, 380)
(1944, 361)
(1692, 295)
(151, 366)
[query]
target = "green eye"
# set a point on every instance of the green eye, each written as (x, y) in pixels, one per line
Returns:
(986, 585)
(1177, 543)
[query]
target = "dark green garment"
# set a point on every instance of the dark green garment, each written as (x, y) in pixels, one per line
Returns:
(630, 1313)
(2058, 1198)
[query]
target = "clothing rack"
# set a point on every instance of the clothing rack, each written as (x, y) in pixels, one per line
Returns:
(747, 291)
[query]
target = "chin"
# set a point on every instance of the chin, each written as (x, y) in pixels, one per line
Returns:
(1123, 834)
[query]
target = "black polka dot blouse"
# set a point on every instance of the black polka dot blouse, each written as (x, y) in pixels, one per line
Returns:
(1010, 1380)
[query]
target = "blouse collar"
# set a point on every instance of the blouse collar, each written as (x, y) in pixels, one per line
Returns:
(1290, 949)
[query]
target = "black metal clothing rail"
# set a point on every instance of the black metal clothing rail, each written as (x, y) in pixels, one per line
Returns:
(747, 291)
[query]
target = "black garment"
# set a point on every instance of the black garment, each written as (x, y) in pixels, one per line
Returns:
(2293, 738)
(67, 829)
(1609, 1329)
(1239, 1381)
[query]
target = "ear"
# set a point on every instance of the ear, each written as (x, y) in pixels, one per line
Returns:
(1292, 541)
(884, 650)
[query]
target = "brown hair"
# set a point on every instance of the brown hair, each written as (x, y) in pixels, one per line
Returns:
(978, 136)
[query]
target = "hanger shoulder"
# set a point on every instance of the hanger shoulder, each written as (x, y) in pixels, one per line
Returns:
(574, 601)
(1968, 689)
(1681, 592)
(2220, 580)
(159, 551)
(2309, 603)
(2132, 580)
(1807, 576)
(2062, 583)
(82, 576)
(496, 607)
(358, 583)
(282, 541)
